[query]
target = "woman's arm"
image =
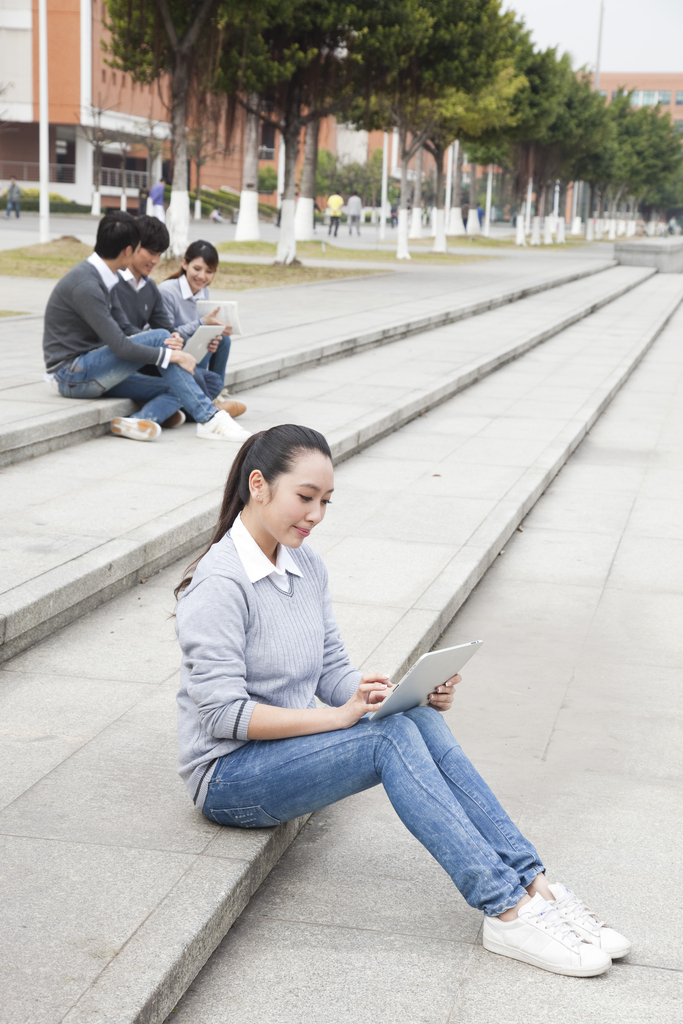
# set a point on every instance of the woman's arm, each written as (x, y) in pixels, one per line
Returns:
(170, 294)
(272, 723)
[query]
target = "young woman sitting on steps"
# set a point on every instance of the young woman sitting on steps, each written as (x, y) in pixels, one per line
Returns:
(260, 642)
(180, 293)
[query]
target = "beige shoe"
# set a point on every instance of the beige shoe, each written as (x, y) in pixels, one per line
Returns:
(136, 430)
(176, 420)
(231, 406)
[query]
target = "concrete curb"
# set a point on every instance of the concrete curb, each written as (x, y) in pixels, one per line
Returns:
(33, 610)
(185, 929)
(72, 425)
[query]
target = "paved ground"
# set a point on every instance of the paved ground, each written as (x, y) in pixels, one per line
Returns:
(572, 711)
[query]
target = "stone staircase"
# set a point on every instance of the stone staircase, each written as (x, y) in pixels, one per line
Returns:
(447, 431)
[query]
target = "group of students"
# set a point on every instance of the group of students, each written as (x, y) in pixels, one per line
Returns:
(111, 332)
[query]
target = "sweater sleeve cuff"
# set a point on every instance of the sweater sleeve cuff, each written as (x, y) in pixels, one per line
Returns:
(164, 357)
(237, 719)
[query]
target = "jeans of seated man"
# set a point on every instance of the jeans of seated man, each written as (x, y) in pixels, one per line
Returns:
(100, 373)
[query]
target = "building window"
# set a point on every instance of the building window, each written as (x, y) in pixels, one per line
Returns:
(679, 98)
(635, 99)
(678, 126)
(267, 147)
(649, 97)
(665, 97)
(603, 93)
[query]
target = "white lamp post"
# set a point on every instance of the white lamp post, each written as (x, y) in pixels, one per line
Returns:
(489, 190)
(43, 125)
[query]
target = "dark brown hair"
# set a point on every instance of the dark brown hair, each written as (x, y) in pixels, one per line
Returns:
(197, 250)
(273, 452)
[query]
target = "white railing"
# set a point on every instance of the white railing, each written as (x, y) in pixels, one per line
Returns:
(111, 177)
(28, 171)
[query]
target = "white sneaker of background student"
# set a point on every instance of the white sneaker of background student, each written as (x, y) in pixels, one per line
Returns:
(541, 937)
(586, 923)
(222, 427)
(136, 430)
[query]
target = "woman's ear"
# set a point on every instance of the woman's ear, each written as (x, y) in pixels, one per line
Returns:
(257, 485)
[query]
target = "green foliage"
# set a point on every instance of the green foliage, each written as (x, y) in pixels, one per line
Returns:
(267, 179)
(365, 179)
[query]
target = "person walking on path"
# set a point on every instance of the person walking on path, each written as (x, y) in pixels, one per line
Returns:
(156, 194)
(88, 353)
(142, 305)
(260, 642)
(354, 208)
(181, 292)
(13, 198)
(334, 205)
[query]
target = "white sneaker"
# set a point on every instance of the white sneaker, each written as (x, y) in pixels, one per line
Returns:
(586, 923)
(136, 430)
(539, 936)
(222, 427)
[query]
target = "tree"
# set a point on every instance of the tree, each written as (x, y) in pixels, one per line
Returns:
(98, 137)
(414, 53)
(156, 37)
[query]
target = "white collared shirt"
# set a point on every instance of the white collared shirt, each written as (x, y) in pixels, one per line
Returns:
(187, 293)
(108, 276)
(257, 565)
(129, 277)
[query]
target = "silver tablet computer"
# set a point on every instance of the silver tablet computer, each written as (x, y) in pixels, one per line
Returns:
(198, 344)
(428, 672)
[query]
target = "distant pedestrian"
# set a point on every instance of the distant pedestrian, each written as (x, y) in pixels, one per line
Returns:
(156, 194)
(13, 197)
(354, 208)
(143, 196)
(480, 215)
(334, 205)
(394, 214)
(215, 216)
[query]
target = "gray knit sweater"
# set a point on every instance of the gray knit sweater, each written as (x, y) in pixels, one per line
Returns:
(80, 316)
(245, 643)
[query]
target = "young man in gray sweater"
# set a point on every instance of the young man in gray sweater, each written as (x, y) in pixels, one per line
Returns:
(91, 350)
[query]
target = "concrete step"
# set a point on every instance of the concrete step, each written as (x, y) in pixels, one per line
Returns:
(118, 891)
(82, 525)
(35, 420)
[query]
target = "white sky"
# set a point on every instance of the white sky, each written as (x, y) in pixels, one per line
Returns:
(636, 36)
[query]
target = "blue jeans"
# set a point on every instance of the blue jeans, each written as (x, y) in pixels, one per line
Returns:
(433, 787)
(217, 361)
(13, 203)
(100, 373)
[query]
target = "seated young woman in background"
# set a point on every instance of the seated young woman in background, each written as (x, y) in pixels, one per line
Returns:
(260, 642)
(180, 293)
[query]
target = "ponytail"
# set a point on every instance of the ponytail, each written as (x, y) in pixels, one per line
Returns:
(273, 452)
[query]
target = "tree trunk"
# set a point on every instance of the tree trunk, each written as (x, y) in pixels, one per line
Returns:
(440, 235)
(416, 217)
(402, 252)
(178, 216)
(304, 224)
(457, 227)
(286, 247)
(248, 229)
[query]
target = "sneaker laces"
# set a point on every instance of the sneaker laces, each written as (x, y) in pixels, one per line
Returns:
(579, 912)
(551, 921)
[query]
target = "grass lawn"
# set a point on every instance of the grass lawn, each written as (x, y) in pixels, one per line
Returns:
(478, 241)
(12, 312)
(54, 259)
(333, 252)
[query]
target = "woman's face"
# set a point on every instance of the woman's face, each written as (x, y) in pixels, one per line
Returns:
(297, 501)
(198, 274)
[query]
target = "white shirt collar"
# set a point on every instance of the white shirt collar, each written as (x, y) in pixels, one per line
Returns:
(129, 277)
(107, 275)
(257, 565)
(185, 290)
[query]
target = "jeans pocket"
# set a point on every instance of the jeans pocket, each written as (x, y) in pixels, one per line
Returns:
(81, 389)
(243, 817)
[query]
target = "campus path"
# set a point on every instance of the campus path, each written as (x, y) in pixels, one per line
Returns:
(572, 712)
